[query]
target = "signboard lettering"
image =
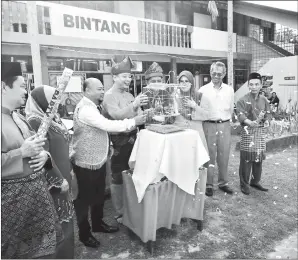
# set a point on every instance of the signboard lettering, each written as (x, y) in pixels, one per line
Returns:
(92, 24)
(290, 78)
(95, 24)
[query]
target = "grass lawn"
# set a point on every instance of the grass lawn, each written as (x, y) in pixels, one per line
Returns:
(237, 226)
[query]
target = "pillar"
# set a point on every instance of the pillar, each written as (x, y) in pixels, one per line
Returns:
(197, 80)
(230, 44)
(35, 46)
(171, 12)
(44, 68)
(173, 72)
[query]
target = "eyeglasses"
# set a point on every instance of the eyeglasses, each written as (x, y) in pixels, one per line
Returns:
(217, 74)
(156, 81)
(184, 81)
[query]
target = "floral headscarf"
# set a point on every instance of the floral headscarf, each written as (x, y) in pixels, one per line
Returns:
(37, 105)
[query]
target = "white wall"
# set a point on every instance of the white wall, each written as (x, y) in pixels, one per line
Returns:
(208, 39)
(279, 68)
(202, 20)
(131, 8)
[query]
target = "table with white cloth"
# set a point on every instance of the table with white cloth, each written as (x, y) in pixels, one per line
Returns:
(149, 203)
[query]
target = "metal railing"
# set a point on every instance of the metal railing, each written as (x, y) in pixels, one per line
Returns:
(283, 40)
(164, 34)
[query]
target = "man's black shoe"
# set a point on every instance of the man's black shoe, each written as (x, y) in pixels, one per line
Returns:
(226, 189)
(245, 190)
(209, 192)
(105, 228)
(91, 242)
(258, 187)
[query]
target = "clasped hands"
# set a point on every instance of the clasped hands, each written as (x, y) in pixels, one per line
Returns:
(33, 148)
(186, 102)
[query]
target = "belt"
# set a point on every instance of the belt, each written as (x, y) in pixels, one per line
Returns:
(216, 121)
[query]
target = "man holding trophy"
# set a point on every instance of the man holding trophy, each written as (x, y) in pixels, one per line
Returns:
(253, 110)
(120, 104)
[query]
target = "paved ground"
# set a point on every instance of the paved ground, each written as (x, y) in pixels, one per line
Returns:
(286, 249)
(262, 225)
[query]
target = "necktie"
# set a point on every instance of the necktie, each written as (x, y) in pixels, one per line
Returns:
(99, 108)
(24, 128)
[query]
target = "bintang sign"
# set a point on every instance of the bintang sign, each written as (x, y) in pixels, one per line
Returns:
(90, 24)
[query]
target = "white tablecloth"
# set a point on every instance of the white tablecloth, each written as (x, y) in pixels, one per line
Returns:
(163, 205)
(178, 156)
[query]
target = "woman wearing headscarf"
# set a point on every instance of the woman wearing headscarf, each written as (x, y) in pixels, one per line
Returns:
(58, 145)
(190, 105)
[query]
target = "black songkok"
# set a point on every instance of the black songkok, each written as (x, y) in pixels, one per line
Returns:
(254, 75)
(10, 69)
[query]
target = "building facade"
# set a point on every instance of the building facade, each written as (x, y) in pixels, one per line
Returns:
(47, 36)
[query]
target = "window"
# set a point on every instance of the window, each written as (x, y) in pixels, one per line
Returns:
(90, 65)
(24, 27)
(55, 64)
(15, 27)
(46, 12)
(184, 13)
(48, 28)
(156, 10)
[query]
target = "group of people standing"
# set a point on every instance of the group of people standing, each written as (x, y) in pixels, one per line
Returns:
(37, 199)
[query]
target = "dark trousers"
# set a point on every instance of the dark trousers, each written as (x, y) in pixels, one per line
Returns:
(123, 146)
(91, 184)
(244, 171)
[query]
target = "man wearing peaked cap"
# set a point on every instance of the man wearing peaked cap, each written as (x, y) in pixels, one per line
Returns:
(154, 74)
(253, 111)
(120, 104)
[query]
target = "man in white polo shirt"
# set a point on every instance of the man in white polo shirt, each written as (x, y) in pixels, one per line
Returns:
(218, 100)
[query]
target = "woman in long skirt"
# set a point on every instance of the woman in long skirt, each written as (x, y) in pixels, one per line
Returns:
(58, 146)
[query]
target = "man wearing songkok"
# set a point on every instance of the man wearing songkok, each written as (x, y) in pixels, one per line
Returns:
(154, 74)
(253, 111)
(218, 100)
(29, 222)
(120, 104)
(89, 156)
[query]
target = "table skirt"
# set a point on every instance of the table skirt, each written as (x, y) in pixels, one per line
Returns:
(164, 204)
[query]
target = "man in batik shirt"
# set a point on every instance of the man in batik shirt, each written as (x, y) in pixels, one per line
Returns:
(29, 223)
(253, 110)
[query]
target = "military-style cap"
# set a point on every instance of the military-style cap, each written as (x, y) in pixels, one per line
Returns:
(154, 71)
(10, 69)
(254, 75)
(121, 64)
